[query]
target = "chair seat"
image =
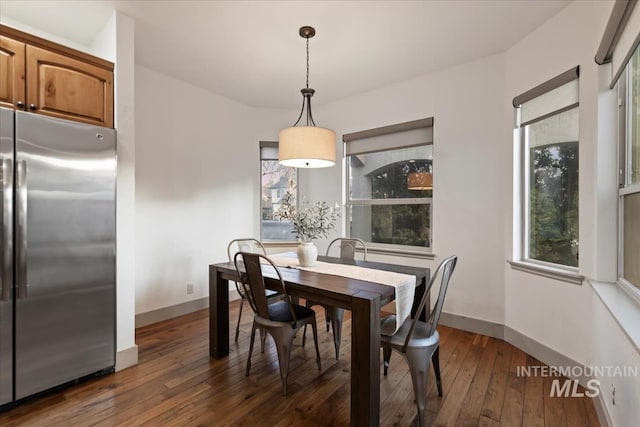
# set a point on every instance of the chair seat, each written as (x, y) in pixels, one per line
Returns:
(420, 337)
(279, 312)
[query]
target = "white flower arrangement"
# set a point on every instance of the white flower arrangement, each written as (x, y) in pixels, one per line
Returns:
(309, 221)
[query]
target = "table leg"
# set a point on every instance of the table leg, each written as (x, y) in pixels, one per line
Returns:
(420, 289)
(218, 315)
(365, 360)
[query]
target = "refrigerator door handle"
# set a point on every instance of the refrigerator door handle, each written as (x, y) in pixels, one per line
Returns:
(21, 229)
(7, 229)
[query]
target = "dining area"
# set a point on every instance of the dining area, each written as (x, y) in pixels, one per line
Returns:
(177, 382)
(339, 280)
(483, 234)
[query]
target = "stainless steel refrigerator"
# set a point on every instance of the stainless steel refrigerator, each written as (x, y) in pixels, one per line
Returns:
(57, 302)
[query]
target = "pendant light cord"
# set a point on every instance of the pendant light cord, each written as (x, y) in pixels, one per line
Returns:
(306, 97)
(307, 63)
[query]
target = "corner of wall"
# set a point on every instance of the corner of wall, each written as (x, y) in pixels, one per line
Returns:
(125, 215)
(126, 358)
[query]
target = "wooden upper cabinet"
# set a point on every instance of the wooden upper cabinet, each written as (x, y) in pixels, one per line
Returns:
(43, 77)
(11, 72)
(63, 87)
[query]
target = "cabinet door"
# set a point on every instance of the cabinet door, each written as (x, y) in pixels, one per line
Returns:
(69, 89)
(11, 72)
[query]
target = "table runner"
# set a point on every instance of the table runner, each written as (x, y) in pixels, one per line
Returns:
(405, 284)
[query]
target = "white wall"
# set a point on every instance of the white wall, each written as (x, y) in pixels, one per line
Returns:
(125, 123)
(197, 184)
(469, 190)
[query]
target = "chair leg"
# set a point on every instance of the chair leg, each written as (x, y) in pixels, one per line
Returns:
(436, 367)
(327, 318)
(315, 339)
(386, 356)
(284, 340)
(253, 335)
(263, 339)
(307, 304)
(336, 314)
(419, 366)
(239, 317)
(304, 335)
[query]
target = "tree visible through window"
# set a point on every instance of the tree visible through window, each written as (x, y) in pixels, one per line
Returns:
(275, 181)
(552, 190)
(384, 206)
(553, 203)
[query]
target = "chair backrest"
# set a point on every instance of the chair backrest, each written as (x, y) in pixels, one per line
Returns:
(244, 244)
(443, 273)
(348, 248)
(252, 281)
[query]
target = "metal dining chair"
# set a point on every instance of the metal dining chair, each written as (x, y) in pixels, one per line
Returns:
(334, 315)
(280, 319)
(247, 244)
(348, 247)
(418, 341)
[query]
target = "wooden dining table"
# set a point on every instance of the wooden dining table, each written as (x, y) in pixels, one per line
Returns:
(363, 298)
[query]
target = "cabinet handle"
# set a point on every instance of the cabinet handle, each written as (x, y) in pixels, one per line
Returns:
(20, 104)
(33, 107)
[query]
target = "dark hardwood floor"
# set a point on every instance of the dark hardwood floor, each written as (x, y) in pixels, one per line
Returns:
(177, 384)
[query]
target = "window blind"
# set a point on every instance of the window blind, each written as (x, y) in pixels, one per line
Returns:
(621, 37)
(401, 135)
(268, 150)
(557, 129)
(554, 96)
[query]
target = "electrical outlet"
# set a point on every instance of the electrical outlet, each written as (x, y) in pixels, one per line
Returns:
(613, 394)
(189, 288)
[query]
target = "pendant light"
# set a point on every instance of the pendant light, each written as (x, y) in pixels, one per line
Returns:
(307, 146)
(420, 181)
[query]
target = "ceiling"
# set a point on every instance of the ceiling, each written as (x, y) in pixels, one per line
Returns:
(250, 51)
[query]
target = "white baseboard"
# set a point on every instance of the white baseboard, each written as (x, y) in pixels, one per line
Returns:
(484, 327)
(126, 358)
(543, 353)
(164, 313)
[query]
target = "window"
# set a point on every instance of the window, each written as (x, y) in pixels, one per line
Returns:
(548, 121)
(390, 186)
(629, 191)
(275, 181)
